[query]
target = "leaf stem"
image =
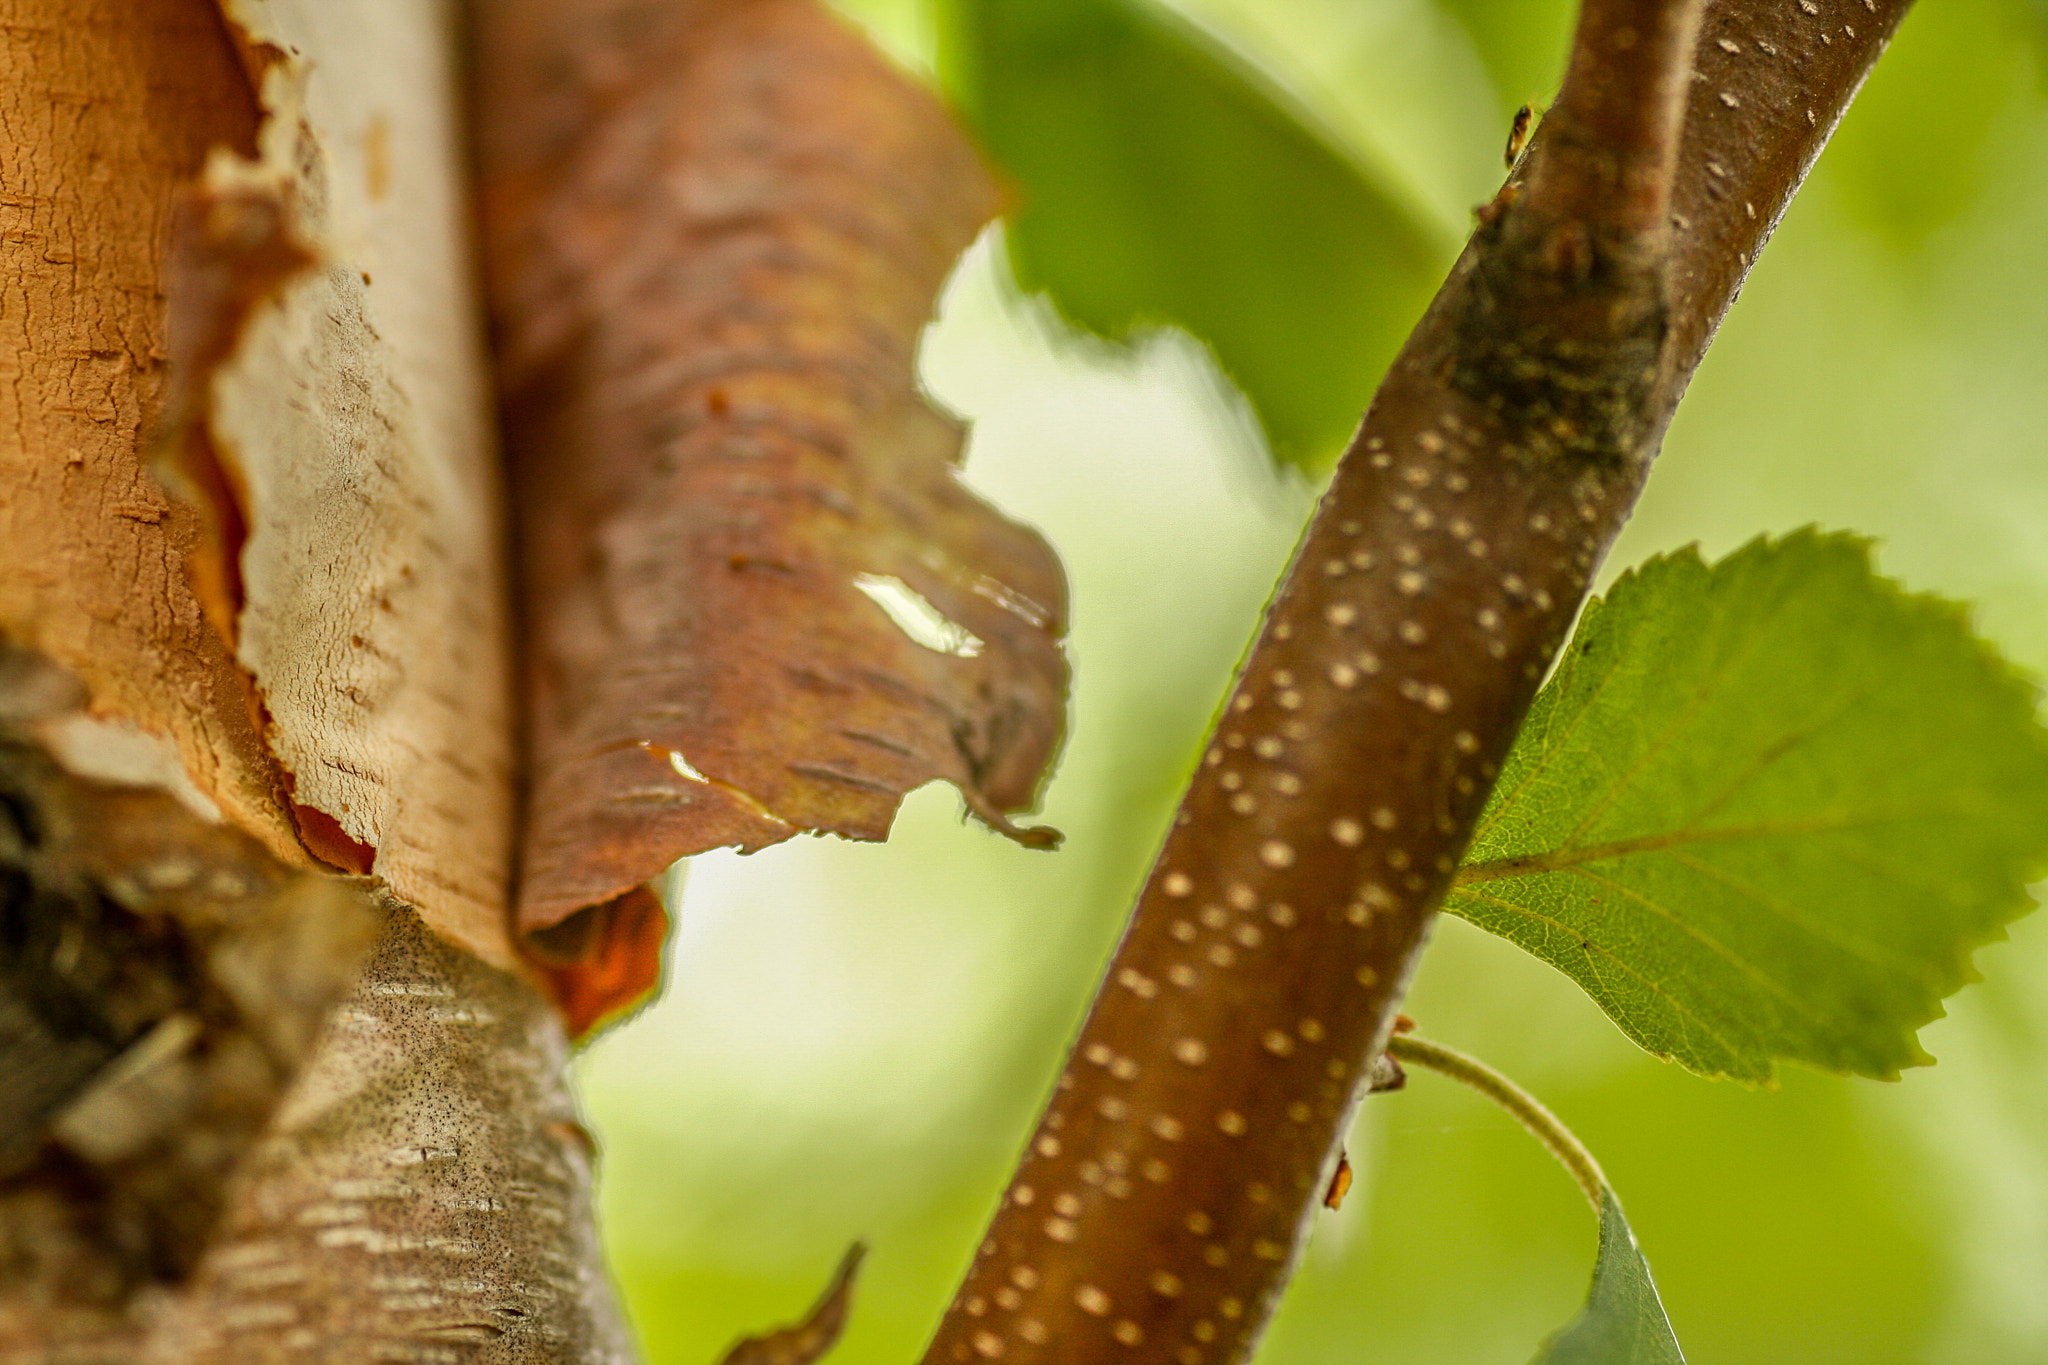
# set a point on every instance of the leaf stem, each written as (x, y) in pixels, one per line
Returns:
(1527, 1109)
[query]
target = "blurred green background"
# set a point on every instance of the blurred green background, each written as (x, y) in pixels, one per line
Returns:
(855, 1039)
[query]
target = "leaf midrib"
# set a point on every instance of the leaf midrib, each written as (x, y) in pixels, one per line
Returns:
(1559, 859)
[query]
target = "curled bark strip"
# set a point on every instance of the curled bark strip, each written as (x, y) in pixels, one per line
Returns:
(162, 981)
(601, 964)
(814, 1336)
(757, 600)
(233, 247)
(1169, 1185)
(330, 422)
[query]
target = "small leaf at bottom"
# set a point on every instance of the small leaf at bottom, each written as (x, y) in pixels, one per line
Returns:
(1623, 1322)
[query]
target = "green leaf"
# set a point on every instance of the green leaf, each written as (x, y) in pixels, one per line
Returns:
(1765, 810)
(1623, 1322)
(1915, 151)
(1160, 181)
(1523, 43)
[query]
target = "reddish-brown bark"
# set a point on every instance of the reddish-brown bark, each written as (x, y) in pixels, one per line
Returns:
(715, 232)
(1169, 1185)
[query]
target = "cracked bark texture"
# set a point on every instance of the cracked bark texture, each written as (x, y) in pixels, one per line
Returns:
(108, 104)
(1172, 1179)
(423, 1195)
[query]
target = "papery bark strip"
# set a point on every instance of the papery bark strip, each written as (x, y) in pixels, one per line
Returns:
(756, 598)
(345, 436)
(1171, 1181)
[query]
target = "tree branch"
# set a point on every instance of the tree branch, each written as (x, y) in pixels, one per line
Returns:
(1169, 1185)
(1612, 137)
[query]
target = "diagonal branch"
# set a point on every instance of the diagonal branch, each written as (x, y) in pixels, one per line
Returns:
(1169, 1185)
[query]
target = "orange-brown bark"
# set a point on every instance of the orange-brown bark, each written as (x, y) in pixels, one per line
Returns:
(208, 1160)
(110, 105)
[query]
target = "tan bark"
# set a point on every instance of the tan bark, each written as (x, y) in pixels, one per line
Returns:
(424, 1194)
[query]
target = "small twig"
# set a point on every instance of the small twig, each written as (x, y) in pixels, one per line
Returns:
(1526, 1108)
(1610, 143)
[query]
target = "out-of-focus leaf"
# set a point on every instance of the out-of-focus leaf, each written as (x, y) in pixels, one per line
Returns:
(1914, 151)
(1160, 182)
(1623, 1322)
(757, 598)
(1766, 809)
(1522, 42)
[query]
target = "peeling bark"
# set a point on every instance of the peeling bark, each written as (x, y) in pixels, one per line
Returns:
(109, 105)
(757, 600)
(209, 1160)
(347, 423)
